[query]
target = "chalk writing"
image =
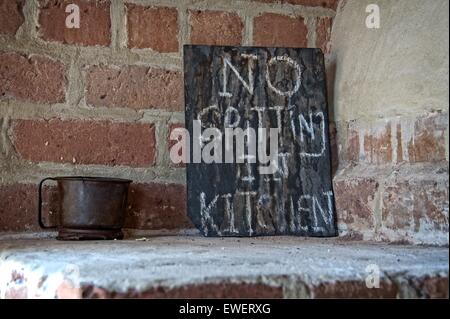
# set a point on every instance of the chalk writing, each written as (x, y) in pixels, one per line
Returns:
(258, 150)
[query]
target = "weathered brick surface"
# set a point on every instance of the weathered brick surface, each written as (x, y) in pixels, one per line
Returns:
(212, 290)
(85, 142)
(270, 29)
(323, 33)
(137, 87)
(157, 206)
(95, 22)
(35, 78)
(215, 28)
(154, 28)
(331, 4)
(428, 141)
(11, 16)
(406, 204)
(378, 145)
(354, 289)
(19, 209)
(413, 206)
(354, 201)
(417, 140)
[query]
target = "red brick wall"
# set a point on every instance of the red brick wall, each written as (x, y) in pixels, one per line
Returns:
(101, 99)
(392, 123)
(392, 184)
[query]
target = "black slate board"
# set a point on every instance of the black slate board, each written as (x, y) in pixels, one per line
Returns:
(234, 199)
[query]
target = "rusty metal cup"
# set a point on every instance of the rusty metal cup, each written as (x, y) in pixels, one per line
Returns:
(89, 207)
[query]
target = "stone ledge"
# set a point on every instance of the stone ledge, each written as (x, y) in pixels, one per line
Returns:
(197, 267)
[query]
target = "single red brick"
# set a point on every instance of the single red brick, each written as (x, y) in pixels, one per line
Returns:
(85, 142)
(192, 291)
(170, 143)
(95, 22)
(19, 211)
(331, 4)
(215, 28)
(137, 87)
(354, 289)
(157, 206)
(323, 33)
(353, 197)
(273, 30)
(11, 16)
(35, 78)
(154, 28)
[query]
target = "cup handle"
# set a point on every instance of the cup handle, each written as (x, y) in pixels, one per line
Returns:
(41, 223)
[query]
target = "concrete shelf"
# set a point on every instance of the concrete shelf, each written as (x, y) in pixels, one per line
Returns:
(193, 266)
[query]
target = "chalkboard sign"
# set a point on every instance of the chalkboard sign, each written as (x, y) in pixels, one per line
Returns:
(258, 161)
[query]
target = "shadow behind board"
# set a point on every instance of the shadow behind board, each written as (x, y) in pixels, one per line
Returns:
(284, 88)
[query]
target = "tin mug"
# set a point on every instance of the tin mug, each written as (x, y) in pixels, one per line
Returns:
(89, 207)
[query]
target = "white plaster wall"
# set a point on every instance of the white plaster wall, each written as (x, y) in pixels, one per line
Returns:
(400, 69)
